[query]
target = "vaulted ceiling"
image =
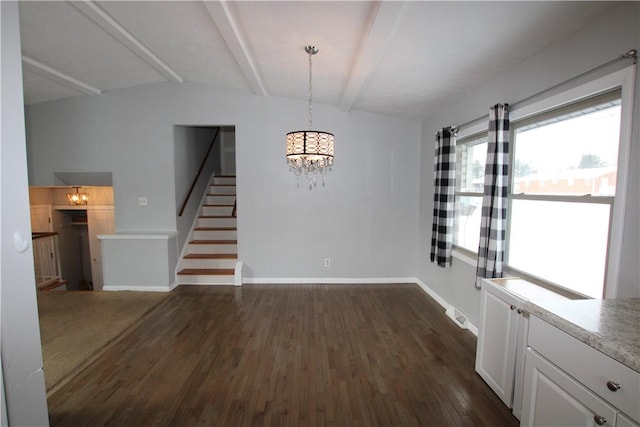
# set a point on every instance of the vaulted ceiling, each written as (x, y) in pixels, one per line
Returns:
(401, 59)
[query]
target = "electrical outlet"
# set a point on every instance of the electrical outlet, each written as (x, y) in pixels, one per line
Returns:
(327, 262)
(142, 201)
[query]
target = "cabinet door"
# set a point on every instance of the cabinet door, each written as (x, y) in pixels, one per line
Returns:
(100, 221)
(41, 219)
(553, 398)
(497, 340)
(624, 421)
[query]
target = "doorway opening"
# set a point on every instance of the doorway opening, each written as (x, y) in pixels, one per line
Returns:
(67, 251)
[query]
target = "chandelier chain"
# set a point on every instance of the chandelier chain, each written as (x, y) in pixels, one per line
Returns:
(310, 93)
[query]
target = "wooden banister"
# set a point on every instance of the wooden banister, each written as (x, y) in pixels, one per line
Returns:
(195, 180)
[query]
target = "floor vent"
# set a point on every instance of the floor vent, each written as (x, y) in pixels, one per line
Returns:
(458, 317)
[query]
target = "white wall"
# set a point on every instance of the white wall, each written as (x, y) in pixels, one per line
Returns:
(612, 35)
(364, 219)
(189, 148)
(22, 373)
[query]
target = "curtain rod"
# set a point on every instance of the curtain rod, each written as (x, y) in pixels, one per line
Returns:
(631, 54)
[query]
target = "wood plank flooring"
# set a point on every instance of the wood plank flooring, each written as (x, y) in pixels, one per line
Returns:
(293, 355)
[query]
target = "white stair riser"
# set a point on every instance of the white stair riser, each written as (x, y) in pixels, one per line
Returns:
(215, 234)
(212, 248)
(217, 222)
(224, 180)
(222, 189)
(220, 199)
(208, 263)
(216, 210)
(205, 280)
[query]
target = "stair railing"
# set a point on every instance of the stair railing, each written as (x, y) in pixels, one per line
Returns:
(46, 261)
(195, 180)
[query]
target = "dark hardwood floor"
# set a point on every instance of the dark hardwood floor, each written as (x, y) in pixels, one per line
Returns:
(297, 355)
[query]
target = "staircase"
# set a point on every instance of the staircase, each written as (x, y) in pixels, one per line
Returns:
(211, 253)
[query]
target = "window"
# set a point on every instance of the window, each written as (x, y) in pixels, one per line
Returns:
(559, 232)
(569, 157)
(471, 156)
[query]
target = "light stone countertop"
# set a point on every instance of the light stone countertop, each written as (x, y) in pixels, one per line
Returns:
(611, 326)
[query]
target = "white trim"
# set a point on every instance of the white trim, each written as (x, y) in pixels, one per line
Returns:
(624, 78)
(437, 298)
(151, 235)
(327, 280)
(380, 30)
(138, 288)
(594, 87)
(238, 273)
(82, 207)
(58, 76)
(464, 257)
(101, 18)
(620, 201)
(226, 23)
(471, 129)
(449, 308)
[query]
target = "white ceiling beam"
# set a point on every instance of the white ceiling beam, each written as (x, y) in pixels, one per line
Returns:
(92, 11)
(47, 72)
(226, 23)
(382, 27)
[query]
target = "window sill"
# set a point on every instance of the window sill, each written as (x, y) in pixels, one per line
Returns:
(469, 258)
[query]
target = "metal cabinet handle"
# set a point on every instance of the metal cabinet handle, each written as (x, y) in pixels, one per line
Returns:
(599, 419)
(613, 386)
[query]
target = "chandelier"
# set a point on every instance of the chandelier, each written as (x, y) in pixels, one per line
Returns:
(78, 198)
(310, 151)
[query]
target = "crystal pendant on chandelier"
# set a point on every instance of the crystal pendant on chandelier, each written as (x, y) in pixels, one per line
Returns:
(310, 151)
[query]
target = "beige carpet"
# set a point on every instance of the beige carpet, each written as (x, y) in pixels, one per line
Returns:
(75, 326)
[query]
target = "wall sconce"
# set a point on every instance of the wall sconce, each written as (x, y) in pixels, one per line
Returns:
(78, 198)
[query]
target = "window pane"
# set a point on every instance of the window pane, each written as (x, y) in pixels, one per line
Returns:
(467, 222)
(564, 243)
(470, 162)
(573, 154)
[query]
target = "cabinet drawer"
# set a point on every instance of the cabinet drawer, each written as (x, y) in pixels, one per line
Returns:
(587, 365)
(553, 398)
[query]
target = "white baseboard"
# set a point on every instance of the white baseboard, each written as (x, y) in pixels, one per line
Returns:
(451, 311)
(138, 288)
(459, 318)
(327, 281)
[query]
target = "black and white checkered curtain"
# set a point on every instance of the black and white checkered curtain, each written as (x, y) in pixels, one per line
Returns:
(444, 177)
(493, 226)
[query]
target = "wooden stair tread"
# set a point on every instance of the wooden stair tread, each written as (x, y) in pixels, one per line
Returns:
(216, 216)
(213, 242)
(217, 204)
(211, 256)
(221, 194)
(207, 272)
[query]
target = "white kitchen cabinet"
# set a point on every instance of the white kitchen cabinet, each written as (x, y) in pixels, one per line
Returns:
(623, 421)
(496, 353)
(569, 383)
(553, 398)
(502, 335)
